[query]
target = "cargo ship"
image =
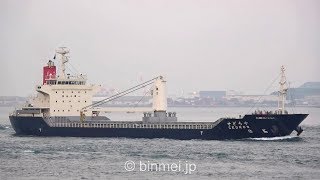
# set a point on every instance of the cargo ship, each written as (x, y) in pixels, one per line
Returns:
(63, 106)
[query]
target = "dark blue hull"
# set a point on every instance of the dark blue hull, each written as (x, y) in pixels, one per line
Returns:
(250, 126)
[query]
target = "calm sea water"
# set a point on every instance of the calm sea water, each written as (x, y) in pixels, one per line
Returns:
(105, 158)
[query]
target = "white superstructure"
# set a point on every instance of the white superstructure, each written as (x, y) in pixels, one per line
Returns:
(64, 94)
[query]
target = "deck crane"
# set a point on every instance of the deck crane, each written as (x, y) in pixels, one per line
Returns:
(158, 92)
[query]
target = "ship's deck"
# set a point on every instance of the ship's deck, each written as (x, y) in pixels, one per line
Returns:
(131, 124)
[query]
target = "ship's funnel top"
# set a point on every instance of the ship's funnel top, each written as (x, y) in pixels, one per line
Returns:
(49, 72)
(50, 63)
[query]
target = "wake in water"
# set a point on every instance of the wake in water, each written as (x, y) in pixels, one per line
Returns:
(283, 138)
(3, 127)
(28, 151)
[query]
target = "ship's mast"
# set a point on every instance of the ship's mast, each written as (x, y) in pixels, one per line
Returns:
(283, 91)
(159, 95)
(64, 59)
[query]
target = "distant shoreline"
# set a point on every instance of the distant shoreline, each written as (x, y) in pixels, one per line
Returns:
(189, 106)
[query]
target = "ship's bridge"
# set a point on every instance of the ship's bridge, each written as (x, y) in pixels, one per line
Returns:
(62, 94)
(70, 80)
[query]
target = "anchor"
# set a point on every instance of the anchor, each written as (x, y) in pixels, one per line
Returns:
(299, 130)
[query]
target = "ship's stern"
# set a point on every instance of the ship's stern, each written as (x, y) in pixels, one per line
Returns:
(25, 125)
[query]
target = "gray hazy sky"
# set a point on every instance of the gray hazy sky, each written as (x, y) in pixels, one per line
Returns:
(197, 44)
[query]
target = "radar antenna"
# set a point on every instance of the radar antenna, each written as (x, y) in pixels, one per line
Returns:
(64, 59)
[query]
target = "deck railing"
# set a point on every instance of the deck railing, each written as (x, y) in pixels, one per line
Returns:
(63, 122)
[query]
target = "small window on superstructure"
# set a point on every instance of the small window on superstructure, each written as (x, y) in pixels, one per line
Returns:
(71, 91)
(67, 96)
(78, 91)
(58, 110)
(63, 110)
(54, 110)
(69, 101)
(63, 101)
(68, 110)
(62, 91)
(56, 91)
(62, 95)
(85, 92)
(85, 101)
(75, 95)
(56, 101)
(78, 101)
